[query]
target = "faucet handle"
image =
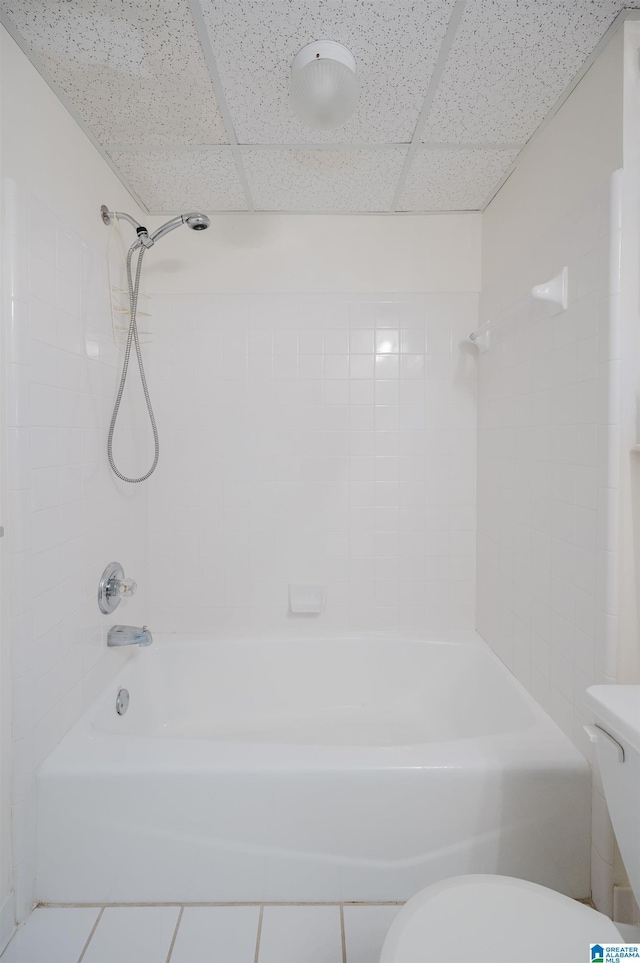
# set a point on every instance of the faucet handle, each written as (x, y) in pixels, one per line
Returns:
(114, 587)
(125, 587)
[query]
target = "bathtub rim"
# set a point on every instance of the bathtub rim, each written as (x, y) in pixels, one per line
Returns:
(84, 748)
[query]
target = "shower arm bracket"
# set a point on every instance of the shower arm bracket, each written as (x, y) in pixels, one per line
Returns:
(109, 216)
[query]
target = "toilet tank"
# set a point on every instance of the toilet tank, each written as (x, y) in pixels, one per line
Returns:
(616, 736)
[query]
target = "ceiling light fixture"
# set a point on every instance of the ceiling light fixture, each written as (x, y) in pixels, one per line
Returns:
(324, 84)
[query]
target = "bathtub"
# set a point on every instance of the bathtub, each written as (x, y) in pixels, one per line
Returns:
(354, 769)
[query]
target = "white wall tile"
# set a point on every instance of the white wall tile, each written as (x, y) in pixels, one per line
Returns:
(20, 534)
(45, 529)
(18, 271)
(316, 463)
(19, 401)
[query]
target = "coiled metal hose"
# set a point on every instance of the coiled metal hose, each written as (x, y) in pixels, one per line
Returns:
(132, 337)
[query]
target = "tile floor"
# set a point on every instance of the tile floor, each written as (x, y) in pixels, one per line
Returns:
(203, 934)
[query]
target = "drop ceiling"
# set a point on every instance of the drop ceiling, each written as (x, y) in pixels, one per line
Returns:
(188, 99)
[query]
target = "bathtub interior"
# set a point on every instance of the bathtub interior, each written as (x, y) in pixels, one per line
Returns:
(350, 692)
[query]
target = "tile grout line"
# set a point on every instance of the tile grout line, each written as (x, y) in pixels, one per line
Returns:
(90, 937)
(343, 938)
(434, 82)
(258, 935)
(175, 934)
(46, 905)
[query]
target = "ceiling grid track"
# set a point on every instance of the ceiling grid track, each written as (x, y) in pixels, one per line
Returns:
(210, 60)
(438, 70)
(353, 145)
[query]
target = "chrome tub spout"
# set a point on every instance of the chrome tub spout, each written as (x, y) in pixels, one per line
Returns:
(129, 635)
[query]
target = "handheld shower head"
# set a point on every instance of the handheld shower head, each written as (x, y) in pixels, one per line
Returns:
(197, 222)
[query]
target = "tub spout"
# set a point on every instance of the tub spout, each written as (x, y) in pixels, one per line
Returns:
(129, 635)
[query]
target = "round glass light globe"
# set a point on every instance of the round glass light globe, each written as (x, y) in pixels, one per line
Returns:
(324, 85)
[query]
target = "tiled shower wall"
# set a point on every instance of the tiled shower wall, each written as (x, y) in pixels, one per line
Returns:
(548, 479)
(320, 440)
(67, 518)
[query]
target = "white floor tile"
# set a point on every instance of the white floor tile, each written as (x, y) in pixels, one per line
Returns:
(133, 933)
(51, 936)
(217, 934)
(365, 929)
(301, 934)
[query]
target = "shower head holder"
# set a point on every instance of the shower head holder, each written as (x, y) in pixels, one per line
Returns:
(194, 220)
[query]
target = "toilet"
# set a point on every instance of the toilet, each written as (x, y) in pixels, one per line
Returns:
(499, 919)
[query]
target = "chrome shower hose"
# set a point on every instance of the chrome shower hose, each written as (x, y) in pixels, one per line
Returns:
(132, 337)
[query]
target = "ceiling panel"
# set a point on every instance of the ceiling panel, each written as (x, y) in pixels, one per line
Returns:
(510, 61)
(453, 180)
(323, 180)
(395, 43)
(172, 181)
(133, 71)
(142, 77)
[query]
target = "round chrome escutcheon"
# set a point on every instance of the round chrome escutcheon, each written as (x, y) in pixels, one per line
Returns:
(122, 701)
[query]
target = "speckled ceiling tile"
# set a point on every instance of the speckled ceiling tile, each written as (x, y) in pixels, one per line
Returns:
(134, 71)
(323, 180)
(510, 61)
(395, 43)
(453, 180)
(195, 180)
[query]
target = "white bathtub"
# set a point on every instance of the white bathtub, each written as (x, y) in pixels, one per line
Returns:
(359, 769)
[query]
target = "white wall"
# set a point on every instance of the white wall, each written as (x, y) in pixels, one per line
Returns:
(549, 417)
(278, 254)
(7, 902)
(65, 518)
(628, 660)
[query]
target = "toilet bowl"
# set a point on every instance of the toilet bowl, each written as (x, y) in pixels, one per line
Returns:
(499, 919)
(494, 919)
